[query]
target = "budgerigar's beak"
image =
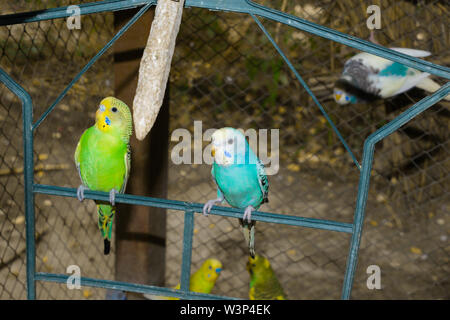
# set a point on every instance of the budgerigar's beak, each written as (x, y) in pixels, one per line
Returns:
(102, 119)
(337, 97)
(249, 262)
(213, 151)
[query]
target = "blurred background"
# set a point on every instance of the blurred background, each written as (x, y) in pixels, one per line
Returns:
(226, 73)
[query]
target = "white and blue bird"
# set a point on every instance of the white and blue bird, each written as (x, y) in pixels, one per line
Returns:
(240, 178)
(367, 77)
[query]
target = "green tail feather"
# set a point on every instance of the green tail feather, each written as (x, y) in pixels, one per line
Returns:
(105, 222)
(248, 229)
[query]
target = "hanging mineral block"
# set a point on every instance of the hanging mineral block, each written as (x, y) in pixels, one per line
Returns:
(155, 65)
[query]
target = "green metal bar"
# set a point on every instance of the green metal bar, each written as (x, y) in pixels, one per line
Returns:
(364, 179)
(61, 12)
(187, 251)
(198, 207)
(91, 62)
(28, 172)
(303, 83)
(130, 287)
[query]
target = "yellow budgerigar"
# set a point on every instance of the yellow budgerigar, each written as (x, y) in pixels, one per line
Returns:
(202, 281)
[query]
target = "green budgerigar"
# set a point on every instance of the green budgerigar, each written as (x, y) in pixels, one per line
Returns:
(103, 158)
(264, 284)
(202, 281)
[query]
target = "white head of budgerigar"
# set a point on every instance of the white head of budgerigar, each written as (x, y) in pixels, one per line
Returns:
(226, 143)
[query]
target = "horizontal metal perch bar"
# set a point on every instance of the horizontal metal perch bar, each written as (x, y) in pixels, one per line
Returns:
(197, 207)
(241, 6)
(130, 287)
(61, 12)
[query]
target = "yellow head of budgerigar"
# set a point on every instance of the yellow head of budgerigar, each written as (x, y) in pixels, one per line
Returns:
(211, 268)
(258, 264)
(113, 114)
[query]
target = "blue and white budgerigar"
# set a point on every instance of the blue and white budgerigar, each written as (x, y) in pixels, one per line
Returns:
(240, 178)
(367, 77)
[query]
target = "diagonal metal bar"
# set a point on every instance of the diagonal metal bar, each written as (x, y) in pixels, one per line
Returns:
(250, 7)
(303, 83)
(198, 207)
(130, 287)
(28, 171)
(364, 179)
(91, 62)
(241, 6)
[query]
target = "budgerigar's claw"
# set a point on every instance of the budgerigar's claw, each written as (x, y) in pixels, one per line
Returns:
(208, 206)
(80, 192)
(248, 213)
(112, 196)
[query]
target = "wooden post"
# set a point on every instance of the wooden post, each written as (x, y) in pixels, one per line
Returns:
(140, 231)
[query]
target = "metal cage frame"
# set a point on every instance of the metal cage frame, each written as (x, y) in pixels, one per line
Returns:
(239, 6)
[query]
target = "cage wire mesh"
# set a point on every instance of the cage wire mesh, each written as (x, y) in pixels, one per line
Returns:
(44, 57)
(226, 73)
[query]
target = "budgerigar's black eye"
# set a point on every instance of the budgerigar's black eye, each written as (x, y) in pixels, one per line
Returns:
(114, 109)
(209, 267)
(230, 141)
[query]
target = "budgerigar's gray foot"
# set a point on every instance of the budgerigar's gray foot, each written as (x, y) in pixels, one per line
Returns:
(80, 192)
(248, 213)
(112, 196)
(209, 204)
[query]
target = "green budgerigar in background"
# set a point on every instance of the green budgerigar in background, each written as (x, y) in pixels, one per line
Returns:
(264, 284)
(202, 281)
(103, 158)
(240, 178)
